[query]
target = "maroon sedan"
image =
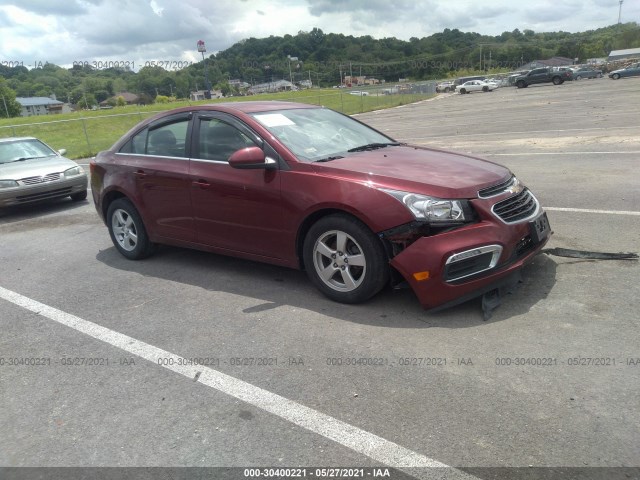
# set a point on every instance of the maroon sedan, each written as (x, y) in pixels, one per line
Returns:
(306, 187)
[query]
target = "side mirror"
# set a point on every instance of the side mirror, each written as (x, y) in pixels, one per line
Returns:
(62, 151)
(252, 158)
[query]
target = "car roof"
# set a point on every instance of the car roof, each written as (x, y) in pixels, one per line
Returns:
(253, 106)
(15, 139)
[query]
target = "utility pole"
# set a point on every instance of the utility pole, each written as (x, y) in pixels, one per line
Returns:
(5, 106)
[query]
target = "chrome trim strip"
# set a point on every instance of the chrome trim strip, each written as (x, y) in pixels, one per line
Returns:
(145, 155)
(474, 252)
(209, 161)
(506, 186)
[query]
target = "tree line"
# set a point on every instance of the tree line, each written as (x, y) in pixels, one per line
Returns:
(322, 59)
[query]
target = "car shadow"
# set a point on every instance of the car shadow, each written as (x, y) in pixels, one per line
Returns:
(272, 286)
(19, 213)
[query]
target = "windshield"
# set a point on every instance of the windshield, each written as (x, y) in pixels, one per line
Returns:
(26, 149)
(320, 134)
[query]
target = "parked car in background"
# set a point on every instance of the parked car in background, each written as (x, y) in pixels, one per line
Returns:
(359, 93)
(544, 75)
(630, 71)
(461, 80)
(445, 87)
(586, 72)
(31, 171)
(306, 187)
(476, 86)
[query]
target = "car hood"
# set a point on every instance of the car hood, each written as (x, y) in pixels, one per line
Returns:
(417, 169)
(34, 167)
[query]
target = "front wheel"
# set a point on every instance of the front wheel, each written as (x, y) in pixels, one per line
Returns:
(615, 76)
(344, 259)
(462, 91)
(578, 77)
(127, 230)
(521, 84)
(557, 80)
(485, 89)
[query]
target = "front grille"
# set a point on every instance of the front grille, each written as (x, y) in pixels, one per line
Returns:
(35, 180)
(496, 189)
(516, 208)
(60, 192)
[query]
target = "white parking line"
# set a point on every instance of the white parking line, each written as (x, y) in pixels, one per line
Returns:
(587, 210)
(375, 447)
(558, 153)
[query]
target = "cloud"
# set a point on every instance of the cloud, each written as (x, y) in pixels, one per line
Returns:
(49, 7)
(72, 30)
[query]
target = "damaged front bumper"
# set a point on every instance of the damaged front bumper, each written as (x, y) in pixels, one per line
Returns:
(454, 266)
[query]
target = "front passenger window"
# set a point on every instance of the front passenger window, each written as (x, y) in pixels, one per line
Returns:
(218, 140)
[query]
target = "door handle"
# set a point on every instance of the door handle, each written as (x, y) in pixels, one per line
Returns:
(140, 173)
(202, 184)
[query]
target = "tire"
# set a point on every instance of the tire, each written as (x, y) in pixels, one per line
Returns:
(557, 80)
(127, 230)
(578, 77)
(462, 91)
(329, 245)
(521, 84)
(447, 90)
(78, 197)
(599, 75)
(615, 76)
(485, 89)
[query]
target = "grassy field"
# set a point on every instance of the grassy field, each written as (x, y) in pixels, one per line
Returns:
(85, 133)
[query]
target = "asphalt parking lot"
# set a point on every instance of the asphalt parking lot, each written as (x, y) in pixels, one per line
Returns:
(291, 379)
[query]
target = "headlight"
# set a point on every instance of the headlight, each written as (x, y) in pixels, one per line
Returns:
(8, 183)
(73, 171)
(429, 208)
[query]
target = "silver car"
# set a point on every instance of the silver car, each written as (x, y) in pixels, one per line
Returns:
(31, 171)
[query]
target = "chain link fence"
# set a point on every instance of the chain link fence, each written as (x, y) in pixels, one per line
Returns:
(87, 135)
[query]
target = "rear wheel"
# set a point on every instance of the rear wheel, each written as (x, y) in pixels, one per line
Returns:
(344, 259)
(127, 230)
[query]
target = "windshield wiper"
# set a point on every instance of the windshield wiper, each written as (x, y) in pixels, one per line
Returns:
(328, 159)
(22, 159)
(372, 146)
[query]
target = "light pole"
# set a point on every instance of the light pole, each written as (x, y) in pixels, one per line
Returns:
(207, 86)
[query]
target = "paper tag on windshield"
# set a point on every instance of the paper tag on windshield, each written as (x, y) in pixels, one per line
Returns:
(273, 120)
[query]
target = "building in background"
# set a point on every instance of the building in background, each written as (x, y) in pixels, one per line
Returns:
(41, 106)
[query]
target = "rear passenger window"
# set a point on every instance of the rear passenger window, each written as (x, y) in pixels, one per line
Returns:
(168, 140)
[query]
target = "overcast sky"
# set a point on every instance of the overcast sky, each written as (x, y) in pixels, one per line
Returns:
(64, 31)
